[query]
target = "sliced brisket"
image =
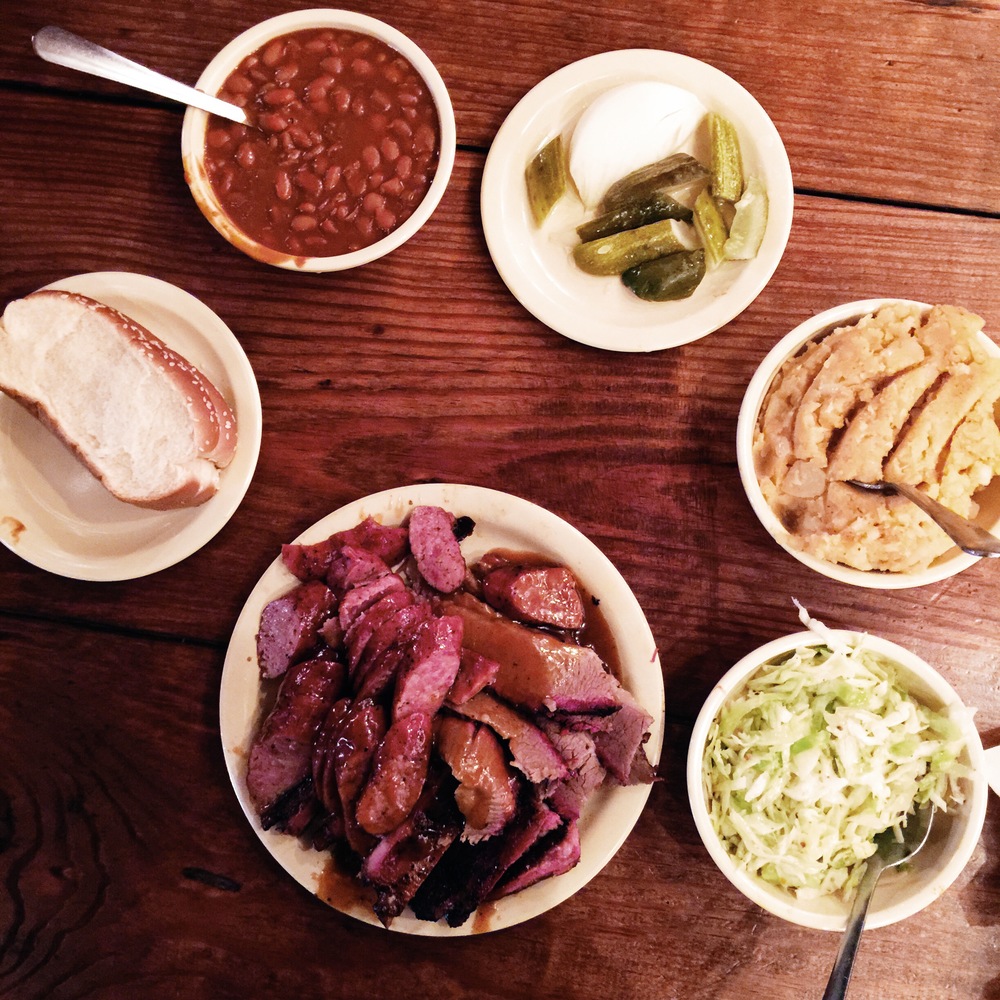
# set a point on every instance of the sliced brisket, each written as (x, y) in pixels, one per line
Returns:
(537, 670)
(487, 789)
(532, 751)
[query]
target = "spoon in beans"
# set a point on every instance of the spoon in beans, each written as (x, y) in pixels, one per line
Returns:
(63, 48)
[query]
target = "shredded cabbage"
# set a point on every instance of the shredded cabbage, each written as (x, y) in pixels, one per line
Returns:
(820, 752)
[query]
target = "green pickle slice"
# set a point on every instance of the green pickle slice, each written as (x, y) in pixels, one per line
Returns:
(657, 207)
(668, 278)
(711, 227)
(545, 179)
(610, 255)
(676, 171)
(727, 161)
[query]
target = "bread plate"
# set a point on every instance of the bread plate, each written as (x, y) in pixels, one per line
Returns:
(504, 521)
(57, 516)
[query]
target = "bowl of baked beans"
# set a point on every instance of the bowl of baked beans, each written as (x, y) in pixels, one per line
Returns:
(348, 147)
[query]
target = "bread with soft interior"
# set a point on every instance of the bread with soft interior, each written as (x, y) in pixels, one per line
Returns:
(145, 421)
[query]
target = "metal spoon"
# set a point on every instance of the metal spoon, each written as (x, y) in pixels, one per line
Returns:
(64, 48)
(969, 537)
(889, 853)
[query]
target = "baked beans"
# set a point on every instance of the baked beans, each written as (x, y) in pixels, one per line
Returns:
(343, 143)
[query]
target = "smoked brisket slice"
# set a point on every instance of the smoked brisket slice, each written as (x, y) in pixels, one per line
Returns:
(537, 671)
(619, 739)
(468, 873)
(487, 787)
(400, 862)
(532, 751)
(554, 854)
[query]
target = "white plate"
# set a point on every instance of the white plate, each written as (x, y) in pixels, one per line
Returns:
(537, 265)
(57, 516)
(501, 520)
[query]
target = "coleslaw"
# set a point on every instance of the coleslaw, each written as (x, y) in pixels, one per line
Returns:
(821, 751)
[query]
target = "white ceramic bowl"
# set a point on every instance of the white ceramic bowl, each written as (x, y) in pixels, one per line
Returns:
(219, 69)
(948, 564)
(900, 894)
(537, 265)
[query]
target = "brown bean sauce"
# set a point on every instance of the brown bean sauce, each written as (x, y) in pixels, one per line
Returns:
(346, 143)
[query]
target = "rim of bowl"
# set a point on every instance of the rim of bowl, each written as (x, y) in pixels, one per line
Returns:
(215, 73)
(967, 822)
(946, 565)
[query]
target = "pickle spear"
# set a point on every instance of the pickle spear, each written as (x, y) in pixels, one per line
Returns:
(727, 161)
(614, 254)
(655, 208)
(676, 171)
(667, 278)
(545, 179)
(711, 227)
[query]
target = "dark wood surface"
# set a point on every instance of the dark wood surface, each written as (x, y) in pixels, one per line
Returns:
(114, 796)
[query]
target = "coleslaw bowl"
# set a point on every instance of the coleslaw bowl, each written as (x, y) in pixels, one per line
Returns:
(955, 833)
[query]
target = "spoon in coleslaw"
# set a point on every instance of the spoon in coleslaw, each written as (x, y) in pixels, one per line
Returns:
(890, 852)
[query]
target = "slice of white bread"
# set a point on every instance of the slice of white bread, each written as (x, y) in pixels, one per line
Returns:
(151, 427)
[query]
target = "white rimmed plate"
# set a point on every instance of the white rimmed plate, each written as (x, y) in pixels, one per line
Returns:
(501, 520)
(536, 264)
(57, 516)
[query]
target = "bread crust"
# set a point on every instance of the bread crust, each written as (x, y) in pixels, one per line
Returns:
(211, 420)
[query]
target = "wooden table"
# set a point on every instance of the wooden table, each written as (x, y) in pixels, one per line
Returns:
(113, 791)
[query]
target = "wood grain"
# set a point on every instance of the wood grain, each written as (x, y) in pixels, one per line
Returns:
(891, 101)
(127, 875)
(128, 868)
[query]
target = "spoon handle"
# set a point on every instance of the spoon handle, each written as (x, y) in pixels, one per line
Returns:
(63, 48)
(967, 535)
(836, 987)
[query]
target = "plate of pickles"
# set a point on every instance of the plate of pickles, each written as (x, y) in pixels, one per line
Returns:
(637, 200)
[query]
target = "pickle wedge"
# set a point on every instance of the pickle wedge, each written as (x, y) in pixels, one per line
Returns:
(545, 179)
(727, 161)
(614, 254)
(668, 278)
(747, 230)
(657, 207)
(676, 171)
(711, 227)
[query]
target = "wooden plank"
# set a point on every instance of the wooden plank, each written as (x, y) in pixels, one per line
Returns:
(890, 101)
(129, 869)
(351, 366)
